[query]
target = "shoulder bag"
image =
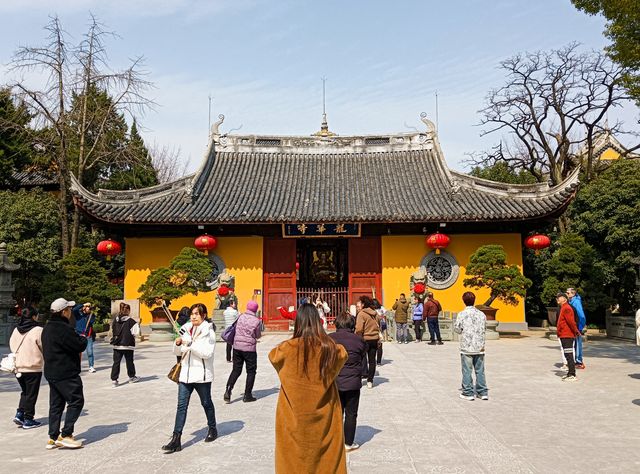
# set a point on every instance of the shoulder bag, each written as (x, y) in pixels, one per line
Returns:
(229, 334)
(8, 362)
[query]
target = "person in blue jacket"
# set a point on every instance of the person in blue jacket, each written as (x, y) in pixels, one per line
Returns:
(84, 327)
(576, 303)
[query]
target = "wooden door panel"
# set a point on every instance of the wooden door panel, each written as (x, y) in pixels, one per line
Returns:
(279, 280)
(365, 268)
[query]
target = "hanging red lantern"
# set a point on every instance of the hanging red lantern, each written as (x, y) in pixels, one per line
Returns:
(297, 265)
(438, 241)
(537, 242)
(205, 242)
(419, 288)
(109, 248)
(223, 290)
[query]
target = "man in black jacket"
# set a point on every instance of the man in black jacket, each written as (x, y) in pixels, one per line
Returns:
(62, 348)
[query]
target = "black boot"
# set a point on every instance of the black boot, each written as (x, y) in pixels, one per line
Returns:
(227, 395)
(174, 445)
(212, 435)
(249, 398)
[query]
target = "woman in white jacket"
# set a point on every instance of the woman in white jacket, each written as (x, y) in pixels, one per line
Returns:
(196, 345)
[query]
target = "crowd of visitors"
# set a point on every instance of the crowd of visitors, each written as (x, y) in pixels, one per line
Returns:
(320, 374)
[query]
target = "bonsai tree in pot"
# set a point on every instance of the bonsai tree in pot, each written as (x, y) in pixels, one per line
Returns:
(187, 273)
(488, 268)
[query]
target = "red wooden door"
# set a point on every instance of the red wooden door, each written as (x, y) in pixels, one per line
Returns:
(279, 280)
(365, 268)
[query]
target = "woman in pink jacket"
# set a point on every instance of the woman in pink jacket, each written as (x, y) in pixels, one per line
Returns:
(26, 344)
(244, 351)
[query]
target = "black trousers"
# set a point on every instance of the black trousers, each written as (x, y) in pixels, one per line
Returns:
(229, 351)
(567, 348)
(30, 385)
(240, 358)
(419, 327)
(350, 400)
(434, 329)
(117, 359)
(379, 352)
(372, 350)
(61, 392)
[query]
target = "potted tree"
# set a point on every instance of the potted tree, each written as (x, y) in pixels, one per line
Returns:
(187, 273)
(488, 268)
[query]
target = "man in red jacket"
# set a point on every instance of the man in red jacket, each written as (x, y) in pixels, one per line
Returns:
(567, 332)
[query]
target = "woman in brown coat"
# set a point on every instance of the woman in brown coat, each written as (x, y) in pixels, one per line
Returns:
(309, 434)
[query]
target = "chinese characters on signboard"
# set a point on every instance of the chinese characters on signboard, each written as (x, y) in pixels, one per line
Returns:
(321, 230)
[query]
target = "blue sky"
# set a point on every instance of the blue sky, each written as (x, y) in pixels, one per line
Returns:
(262, 60)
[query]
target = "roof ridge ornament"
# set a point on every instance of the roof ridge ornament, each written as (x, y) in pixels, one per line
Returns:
(431, 128)
(215, 128)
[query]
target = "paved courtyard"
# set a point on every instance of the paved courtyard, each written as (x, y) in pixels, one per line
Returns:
(412, 421)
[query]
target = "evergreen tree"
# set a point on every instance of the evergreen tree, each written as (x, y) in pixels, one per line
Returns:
(30, 227)
(606, 212)
(501, 172)
(15, 147)
(136, 171)
(623, 29)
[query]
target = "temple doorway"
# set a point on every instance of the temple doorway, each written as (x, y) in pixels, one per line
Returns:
(322, 271)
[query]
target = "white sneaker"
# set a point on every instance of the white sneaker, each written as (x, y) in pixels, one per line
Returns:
(352, 447)
(467, 397)
(51, 444)
(569, 378)
(114, 383)
(483, 397)
(369, 385)
(134, 379)
(92, 370)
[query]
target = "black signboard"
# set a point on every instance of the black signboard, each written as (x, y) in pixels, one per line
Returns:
(317, 230)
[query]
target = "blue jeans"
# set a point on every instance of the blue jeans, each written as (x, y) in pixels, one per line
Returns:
(184, 395)
(578, 349)
(473, 363)
(89, 350)
(402, 333)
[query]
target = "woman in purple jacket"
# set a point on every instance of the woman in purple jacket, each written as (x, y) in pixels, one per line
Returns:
(349, 383)
(244, 351)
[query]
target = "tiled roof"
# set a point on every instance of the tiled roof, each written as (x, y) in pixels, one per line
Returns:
(235, 187)
(34, 178)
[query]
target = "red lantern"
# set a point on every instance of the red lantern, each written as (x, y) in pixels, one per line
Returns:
(537, 242)
(297, 265)
(205, 242)
(223, 290)
(438, 241)
(109, 248)
(419, 288)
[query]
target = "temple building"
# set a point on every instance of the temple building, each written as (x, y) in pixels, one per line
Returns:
(339, 216)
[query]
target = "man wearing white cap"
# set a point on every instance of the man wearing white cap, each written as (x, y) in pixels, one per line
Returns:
(62, 348)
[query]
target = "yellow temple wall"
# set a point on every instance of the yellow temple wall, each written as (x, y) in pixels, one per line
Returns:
(610, 154)
(241, 255)
(401, 256)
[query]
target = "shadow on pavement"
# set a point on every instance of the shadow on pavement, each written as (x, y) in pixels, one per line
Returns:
(634, 376)
(100, 432)
(636, 401)
(266, 392)
(365, 433)
(147, 378)
(379, 380)
(224, 429)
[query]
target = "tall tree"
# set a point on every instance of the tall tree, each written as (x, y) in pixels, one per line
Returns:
(15, 146)
(623, 29)
(72, 73)
(607, 212)
(135, 172)
(552, 104)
